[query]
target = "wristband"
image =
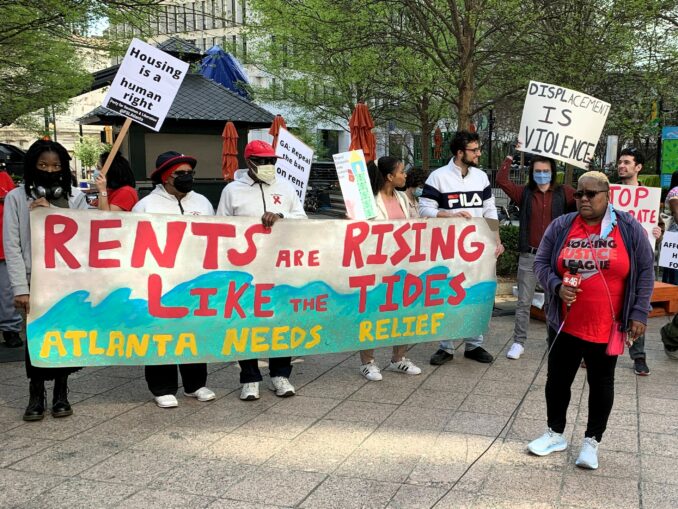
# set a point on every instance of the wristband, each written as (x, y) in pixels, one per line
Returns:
(103, 193)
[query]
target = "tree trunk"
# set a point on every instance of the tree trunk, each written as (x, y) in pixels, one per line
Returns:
(425, 126)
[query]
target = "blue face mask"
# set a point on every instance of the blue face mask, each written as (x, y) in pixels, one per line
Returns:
(418, 191)
(542, 177)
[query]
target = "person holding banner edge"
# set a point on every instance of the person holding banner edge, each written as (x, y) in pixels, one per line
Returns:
(460, 189)
(629, 165)
(540, 201)
(173, 194)
(609, 249)
(258, 192)
(47, 183)
(386, 175)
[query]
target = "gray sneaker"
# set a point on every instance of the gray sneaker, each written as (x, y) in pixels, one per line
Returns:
(588, 456)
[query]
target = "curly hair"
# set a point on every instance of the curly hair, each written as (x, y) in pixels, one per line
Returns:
(31, 165)
(415, 177)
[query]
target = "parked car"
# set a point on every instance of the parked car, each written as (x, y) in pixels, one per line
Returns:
(13, 157)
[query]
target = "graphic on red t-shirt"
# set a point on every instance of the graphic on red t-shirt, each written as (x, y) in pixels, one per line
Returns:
(590, 316)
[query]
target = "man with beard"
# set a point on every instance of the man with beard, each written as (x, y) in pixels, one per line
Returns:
(173, 194)
(460, 189)
(629, 165)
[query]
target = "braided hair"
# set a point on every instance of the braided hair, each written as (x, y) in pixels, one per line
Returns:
(31, 165)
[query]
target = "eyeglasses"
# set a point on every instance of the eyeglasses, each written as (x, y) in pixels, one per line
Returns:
(259, 161)
(474, 150)
(183, 172)
(590, 194)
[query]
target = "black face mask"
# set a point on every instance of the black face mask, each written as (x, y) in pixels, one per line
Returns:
(48, 179)
(183, 183)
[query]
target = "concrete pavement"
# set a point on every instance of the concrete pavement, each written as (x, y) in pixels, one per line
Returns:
(343, 442)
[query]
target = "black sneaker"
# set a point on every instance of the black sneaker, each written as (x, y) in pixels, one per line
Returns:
(640, 367)
(12, 339)
(440, 357)
(479, 354)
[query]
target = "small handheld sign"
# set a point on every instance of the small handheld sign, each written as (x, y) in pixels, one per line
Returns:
(143, 89)
(355, 184)
(294, 161)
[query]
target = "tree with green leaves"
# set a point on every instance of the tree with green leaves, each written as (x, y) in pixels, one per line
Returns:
(39, 42)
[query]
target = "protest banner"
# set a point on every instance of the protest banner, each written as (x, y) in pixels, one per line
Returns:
(355, 184)
(294, 161)
(668, 254)
(145, 85)
(639, 201)
(561, 123)
(135, 289)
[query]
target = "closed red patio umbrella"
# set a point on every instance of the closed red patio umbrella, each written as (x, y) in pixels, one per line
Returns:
(229, 151)
(361, 125)
(278, 122)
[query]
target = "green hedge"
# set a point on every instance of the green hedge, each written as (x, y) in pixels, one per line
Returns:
(507, 264)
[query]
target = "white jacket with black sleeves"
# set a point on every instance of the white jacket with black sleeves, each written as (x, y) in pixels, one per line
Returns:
(447, 189)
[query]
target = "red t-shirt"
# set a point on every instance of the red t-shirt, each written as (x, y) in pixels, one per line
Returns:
(124, 197)
(590, 317)
(6, 185)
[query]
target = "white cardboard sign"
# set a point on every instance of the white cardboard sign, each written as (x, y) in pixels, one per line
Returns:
(561, 123)
(355, 184)
(668, 255)
(146, 84)
(294, 162)
(641, 202)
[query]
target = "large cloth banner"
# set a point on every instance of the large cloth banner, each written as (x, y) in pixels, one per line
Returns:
(562, 124)
(111, 288)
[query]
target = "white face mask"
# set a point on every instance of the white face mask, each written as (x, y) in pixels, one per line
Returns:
(266, 173)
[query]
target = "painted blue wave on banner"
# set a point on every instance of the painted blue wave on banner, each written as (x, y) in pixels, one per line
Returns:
(120, 329)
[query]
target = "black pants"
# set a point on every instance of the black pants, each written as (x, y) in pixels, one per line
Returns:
(41, 374)
(279, 366)
(564, 361)
(164, 380)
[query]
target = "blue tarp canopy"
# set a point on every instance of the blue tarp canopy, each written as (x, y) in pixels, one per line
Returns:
(225, 69)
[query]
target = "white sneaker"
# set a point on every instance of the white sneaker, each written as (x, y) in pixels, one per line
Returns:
(547, 443)
(166, 401)
(404, 366)
(202, 394)
(588, 456)
(371, 371)
(281, 386)
(515, 351)
(250, 391)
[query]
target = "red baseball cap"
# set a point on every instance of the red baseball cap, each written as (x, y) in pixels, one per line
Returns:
(259, 148)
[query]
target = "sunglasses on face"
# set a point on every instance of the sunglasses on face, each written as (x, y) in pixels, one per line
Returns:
(578, 195)
(264, 160)
(183, 172)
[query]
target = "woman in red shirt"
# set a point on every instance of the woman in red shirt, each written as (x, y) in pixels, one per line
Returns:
(610, 252)
(117, 188)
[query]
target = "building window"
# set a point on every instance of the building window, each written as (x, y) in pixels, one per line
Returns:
(234, 46)
(203, 23)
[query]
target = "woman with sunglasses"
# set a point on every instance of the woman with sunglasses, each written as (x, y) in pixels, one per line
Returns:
(173, 194)
(609, 250)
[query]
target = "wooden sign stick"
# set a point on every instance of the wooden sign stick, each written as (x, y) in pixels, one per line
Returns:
(116, 146)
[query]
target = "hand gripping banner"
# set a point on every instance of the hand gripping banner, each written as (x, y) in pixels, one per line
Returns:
(111, 288)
